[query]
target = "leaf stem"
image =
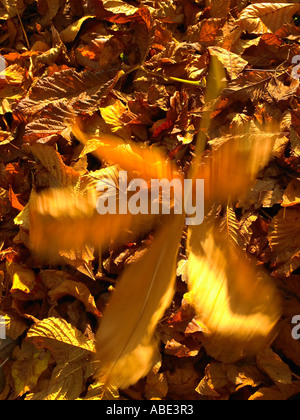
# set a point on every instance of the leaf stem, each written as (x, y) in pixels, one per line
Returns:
(198, 83)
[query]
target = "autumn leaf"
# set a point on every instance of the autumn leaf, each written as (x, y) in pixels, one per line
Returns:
(77, 290)
(23, 278)
(284, 241)
(291, 196)
(278, 371)
(61, 174)
(54, 212)
(239, 313)
(119, 7)
(267, 17)
(233, 63)
(70, 33)
(126, 355)
(151, 163)
(73, 354)
(29, 365)
(250, 151)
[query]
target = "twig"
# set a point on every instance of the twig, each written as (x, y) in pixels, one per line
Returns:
(23, 29)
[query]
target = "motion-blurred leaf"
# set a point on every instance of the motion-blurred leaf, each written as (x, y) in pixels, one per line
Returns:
(126, 354)
(238, 305)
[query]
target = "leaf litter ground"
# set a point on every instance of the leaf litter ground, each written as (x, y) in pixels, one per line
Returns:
(138, 70)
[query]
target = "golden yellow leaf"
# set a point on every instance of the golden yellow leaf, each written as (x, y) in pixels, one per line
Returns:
(112, 114)
(119, 7)
(125, 339)
(77, 290)
(291, 196)
(28, 366)
(233, 63)
(73, 353)
(244, 374)
(214, 381)
(55, 212)
(270, 363)
(239, 306)
(149, 162)
(23, 278)
(69, 34)
(232, 167)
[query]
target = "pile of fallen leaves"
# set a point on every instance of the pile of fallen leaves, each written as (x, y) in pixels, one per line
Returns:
(138, 70)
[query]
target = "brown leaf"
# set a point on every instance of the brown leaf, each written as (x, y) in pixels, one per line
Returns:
(267, 17)
(291, 196)
(284, 240)
(276, 369)
(233, 63)
(78, 291)
(214, 381)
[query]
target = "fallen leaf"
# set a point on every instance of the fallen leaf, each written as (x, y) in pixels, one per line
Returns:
(291, 196)
(73, 354)
(267, 17)
(28, 366)
(277, 370)
(78, 291)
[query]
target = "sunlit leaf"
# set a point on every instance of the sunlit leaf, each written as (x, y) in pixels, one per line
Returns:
(141, 297)
(239, 305)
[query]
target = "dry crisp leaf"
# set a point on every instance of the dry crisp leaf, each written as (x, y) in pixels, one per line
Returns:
(284, 241)
(78, 291)
(61, 174)
(72, 352)
(245, 374)
(70, 33)
(28, 366)
(263, 18)
(214, 381)
(23, 278)
(277, 370)
(291, 196)
(274, 393)
(233, 63)
(119, 7)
